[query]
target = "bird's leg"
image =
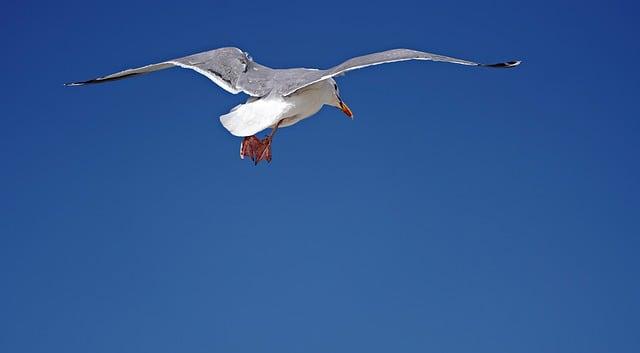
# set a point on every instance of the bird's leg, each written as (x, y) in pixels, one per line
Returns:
(249, 147)
(263, 152)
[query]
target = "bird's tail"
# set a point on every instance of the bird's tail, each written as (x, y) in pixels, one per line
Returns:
(254, 116)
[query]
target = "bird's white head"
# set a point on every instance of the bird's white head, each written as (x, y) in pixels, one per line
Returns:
(336, 101)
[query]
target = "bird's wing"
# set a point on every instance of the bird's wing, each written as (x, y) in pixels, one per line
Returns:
(223, 66)
(388, 56)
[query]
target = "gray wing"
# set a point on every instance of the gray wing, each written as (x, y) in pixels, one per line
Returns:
(224, 66)
(388, 56)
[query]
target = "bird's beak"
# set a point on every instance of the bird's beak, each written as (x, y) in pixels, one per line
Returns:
(346, 110)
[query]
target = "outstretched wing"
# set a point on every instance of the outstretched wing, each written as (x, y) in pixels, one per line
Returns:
(388, 56)
(223, 66)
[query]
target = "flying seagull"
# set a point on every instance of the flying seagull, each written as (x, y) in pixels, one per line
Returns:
(277, 97)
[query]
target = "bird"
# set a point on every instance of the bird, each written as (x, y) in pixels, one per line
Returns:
(278, 98)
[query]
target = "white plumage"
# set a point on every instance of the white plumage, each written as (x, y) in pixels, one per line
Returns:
(258, 114)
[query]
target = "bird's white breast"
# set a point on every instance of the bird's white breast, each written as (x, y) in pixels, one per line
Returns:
(307, 102)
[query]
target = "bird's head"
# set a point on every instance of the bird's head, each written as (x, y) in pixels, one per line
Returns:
(337, 102)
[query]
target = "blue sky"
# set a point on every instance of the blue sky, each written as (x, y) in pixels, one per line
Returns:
(463, 210)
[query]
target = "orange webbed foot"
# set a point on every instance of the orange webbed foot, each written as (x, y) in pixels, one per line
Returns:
(256, 149)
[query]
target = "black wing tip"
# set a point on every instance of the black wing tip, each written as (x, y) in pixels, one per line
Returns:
(100, 80)
(82, 83)
(505, 65)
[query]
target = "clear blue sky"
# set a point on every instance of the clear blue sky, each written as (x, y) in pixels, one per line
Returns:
(463, 210)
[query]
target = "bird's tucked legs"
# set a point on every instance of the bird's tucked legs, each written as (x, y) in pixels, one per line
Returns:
(256, 149)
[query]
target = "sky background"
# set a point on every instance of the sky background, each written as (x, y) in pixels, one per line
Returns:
(463, 210)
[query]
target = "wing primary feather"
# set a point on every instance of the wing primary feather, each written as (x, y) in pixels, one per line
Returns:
(124, 74)
(504, 65)
(100, 80)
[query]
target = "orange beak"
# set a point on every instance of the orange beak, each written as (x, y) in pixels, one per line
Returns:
(346, 110)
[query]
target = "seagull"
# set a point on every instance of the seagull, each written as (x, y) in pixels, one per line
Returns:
(277, 97)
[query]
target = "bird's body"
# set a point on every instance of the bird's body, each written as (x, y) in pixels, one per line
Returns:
(258, 114)
(308, 101)
(278, 97)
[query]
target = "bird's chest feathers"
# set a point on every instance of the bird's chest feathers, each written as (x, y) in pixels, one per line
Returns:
(306, 103)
